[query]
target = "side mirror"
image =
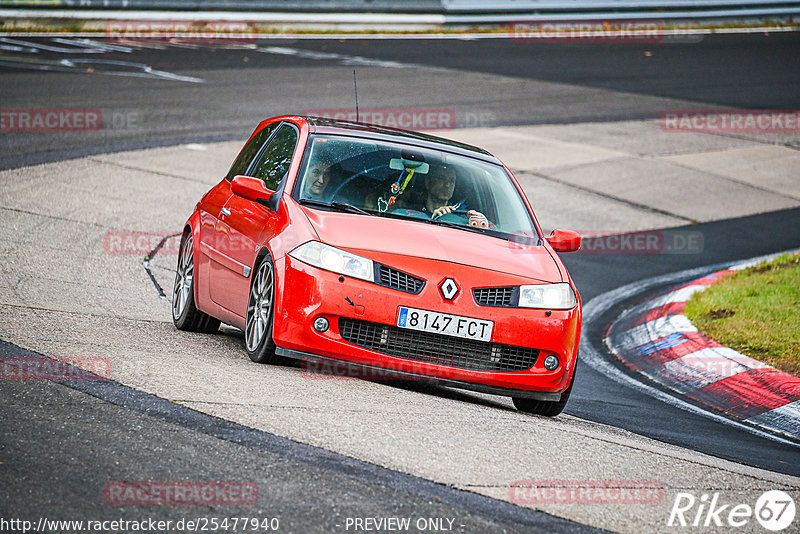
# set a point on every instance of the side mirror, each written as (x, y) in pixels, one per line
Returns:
(564, 240)
(252, 189)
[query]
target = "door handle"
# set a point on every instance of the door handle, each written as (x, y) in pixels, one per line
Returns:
(225, 212)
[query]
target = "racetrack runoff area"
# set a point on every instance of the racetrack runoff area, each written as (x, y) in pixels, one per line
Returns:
(73, 288)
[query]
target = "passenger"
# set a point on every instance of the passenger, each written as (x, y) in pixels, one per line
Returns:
(317, 178)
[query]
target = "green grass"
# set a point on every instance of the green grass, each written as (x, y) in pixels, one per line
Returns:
(756, 312)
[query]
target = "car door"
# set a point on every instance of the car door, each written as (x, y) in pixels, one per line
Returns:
(210, 209)
(244, 225)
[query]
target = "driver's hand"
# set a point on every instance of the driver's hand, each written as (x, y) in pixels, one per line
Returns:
(438, 212)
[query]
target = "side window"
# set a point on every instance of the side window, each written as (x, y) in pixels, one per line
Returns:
(274, 161)
(250, 150)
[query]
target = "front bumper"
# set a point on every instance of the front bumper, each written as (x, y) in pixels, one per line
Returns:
(315, 363)
(305, 293)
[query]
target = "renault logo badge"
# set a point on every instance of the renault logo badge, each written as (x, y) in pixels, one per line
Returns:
(448, 288)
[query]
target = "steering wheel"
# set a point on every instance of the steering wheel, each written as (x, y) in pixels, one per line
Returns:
(454, 212)
(410, 213)
(456, 216)
(461, 217)
(353, 177)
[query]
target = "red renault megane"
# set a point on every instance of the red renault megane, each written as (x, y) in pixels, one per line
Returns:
(389, 250)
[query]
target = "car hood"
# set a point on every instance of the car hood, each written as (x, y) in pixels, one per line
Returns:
(409, 238)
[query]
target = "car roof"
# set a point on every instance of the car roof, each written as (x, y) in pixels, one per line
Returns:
(326, 126)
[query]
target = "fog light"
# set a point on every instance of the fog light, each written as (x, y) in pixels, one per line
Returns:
(321, 325)
(550, 363)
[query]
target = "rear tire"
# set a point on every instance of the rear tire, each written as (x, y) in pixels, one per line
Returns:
(260, 313)
(185, 314)
(547, 408)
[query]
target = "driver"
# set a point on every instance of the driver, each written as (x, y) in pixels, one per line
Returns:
(440, 184)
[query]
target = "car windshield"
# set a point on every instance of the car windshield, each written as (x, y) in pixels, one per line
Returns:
(377, 178)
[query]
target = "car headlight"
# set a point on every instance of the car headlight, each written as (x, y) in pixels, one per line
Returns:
(548, 296)
(334, 260)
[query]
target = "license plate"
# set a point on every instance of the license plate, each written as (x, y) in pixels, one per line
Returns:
(444, 323)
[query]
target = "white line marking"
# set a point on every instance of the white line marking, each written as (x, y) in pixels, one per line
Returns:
(680, 295)
(140, 44)
(77, 65)
(172, 76)
(59, 49)
(344, 59)
(744, 265)
(780, 418)
(105, 47)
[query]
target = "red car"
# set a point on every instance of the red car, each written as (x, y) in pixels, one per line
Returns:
(390, 250)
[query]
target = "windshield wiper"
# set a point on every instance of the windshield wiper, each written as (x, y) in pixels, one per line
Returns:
(433, 221)
(454, 225)
(338, 206)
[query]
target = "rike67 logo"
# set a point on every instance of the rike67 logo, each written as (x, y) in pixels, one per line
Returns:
(774, 510)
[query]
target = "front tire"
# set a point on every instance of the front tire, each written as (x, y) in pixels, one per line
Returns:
(185, 314)
(547, 408)
(260, 313)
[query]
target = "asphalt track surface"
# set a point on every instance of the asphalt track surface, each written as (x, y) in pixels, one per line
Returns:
(80, 433)
(309, 489)
(495, 82)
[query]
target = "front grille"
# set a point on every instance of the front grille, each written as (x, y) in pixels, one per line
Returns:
(399, 280)
(494, 296)
(437, 348)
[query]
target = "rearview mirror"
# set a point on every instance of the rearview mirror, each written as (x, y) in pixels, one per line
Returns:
(398, 164)
(252, 189)
(564, 240)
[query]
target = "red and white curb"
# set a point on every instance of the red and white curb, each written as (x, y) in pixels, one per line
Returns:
(657, 340)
